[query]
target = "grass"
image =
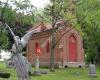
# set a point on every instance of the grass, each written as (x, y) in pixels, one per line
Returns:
(59, 74)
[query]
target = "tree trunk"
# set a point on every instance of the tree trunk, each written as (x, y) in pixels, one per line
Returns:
(53, 40)
(99, 59)
(52, 54)
(99, 56)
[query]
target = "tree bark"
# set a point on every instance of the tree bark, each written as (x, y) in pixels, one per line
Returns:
(53, 39)
(99, 56)
(52, 55)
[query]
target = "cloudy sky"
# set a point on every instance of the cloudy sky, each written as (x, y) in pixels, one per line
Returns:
(37, 3)
(40, 3)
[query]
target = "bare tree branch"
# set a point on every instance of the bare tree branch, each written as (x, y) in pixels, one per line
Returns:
(62, 36)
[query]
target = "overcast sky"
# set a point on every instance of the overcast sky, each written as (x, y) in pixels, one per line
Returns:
(37, 3)
(40, 3)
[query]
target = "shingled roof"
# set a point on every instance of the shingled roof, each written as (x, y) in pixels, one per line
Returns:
(43, 27)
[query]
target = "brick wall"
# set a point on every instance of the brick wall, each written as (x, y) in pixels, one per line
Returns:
(61, 54)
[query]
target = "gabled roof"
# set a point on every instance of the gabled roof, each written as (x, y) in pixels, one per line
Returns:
(43, 27)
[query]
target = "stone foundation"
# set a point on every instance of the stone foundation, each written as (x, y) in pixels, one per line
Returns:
(64, 65)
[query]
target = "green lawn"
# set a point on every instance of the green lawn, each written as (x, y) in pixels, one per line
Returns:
(59, 74)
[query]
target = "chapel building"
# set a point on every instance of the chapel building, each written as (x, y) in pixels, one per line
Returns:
(68, 52)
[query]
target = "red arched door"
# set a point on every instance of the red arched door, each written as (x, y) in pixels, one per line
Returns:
(72, 49)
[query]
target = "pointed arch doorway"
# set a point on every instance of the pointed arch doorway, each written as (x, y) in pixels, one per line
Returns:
(72, 48)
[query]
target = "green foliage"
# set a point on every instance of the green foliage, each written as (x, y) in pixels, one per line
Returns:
(85, 17)
(56, 10)
(88, 16)
(83, 14)
(62, 9)
(19, 18)
(3, 39)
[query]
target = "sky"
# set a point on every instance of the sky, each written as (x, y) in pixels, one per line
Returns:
(40, 3)
(37, 3)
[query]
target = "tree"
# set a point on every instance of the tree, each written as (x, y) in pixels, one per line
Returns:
(20, 18)
(3, 34)
(88, 16)
(3, 38)
(55, 12)
(85, 16)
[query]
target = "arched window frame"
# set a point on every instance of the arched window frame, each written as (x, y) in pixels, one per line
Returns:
(48, 47)
(36, 46)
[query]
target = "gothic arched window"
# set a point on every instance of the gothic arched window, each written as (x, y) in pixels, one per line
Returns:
(36, 46)
(48, 47)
